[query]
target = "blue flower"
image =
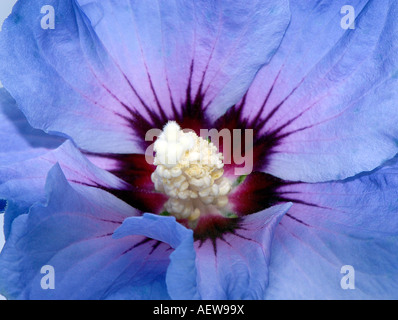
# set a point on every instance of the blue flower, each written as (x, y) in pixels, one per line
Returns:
(83, 199)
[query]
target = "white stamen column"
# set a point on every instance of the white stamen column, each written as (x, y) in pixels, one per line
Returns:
(190, 171)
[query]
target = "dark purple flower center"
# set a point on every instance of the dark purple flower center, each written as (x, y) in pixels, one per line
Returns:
(256, 192)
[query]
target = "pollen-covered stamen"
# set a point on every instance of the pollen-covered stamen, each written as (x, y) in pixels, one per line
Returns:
(189, 170)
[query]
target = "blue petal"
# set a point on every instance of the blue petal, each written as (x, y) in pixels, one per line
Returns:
(62, 86)
(331, 225)
(19, 144)
(22, 183)
(328, 97)
(93, 83)
(182, 46)
(180, 278)
(236, 266)
(18, 140)
(73, 234)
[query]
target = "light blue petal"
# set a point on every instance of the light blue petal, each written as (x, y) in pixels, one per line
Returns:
(22, 183)
(99, 86)
(61, 77)
(179, 47)
(328, 98)
(73, 234)
(181, 274)
(18, 140)
(236, 266)
(331, 225)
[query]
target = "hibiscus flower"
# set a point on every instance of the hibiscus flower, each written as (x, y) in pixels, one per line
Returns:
(313, 107)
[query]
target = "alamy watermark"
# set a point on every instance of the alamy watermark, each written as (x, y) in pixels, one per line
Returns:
(48, 280)
(348, 280)
(48, 20)
(237, 146)
(348, 21)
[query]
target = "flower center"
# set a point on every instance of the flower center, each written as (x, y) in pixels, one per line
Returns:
(189, 169)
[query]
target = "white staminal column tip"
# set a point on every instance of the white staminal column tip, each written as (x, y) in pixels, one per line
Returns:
(190, 171)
